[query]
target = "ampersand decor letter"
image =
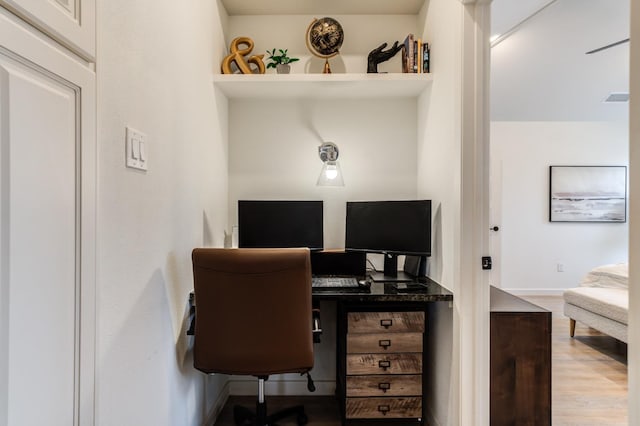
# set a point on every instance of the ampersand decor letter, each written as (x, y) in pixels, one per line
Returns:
(237, 55)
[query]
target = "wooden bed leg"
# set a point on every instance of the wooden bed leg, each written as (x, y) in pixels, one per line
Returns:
(572, 327)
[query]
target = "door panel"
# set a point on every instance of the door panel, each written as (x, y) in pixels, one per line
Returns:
(495, 220)
(39, 196)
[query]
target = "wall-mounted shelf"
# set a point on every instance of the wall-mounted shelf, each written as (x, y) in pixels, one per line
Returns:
(324, 8)
(322, 86)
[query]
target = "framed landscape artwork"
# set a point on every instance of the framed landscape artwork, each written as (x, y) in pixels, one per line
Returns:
(587, 194)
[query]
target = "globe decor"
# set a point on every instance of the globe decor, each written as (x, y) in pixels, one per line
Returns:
(324, 38)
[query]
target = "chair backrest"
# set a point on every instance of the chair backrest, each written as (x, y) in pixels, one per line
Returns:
(253, 311)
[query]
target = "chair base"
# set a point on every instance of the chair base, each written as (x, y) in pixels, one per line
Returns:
(244, 416)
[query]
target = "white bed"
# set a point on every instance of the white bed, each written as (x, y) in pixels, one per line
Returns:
(601, 301)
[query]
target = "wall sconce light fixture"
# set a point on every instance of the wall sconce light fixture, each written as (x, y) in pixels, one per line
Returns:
(331, 174)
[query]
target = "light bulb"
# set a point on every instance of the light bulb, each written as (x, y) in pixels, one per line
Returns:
(331, 172)
(330, 175)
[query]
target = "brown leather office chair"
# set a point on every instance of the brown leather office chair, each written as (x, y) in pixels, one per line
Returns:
(253, 317)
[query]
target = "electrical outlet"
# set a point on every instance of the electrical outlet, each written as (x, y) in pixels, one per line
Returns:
(560, 267)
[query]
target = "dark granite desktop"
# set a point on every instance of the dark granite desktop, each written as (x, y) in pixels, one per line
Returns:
(424, 290)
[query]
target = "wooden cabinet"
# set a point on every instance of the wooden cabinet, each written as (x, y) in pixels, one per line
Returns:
(71, 22)
(520, 361)
(47, 217)
(381, 366)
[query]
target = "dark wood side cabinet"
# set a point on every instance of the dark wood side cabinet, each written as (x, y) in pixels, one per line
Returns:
(520, 389)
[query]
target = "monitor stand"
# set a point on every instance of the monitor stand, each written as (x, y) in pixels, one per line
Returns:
(391, 273)
(400, 277)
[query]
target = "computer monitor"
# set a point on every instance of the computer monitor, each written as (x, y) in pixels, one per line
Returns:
(389, 227)
(280, 224)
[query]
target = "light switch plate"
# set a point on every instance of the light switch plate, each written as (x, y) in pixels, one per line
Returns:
(136, 153)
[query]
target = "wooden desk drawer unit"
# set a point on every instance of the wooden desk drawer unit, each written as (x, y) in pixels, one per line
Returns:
(384, 365)
(384, 408)
(402, 363)
(383, 342)
(384, 385)
(396, 322)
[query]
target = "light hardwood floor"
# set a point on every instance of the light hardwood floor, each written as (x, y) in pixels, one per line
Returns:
(588, 373)
(589, 380)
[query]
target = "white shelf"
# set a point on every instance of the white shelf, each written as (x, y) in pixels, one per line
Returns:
(324, 7)
(321, 86)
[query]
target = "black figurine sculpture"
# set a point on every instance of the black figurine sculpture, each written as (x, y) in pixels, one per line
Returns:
(378, 55)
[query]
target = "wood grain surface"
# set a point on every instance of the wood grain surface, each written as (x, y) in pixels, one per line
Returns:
(589, 380)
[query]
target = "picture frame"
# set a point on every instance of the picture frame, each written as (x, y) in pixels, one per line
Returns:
(588, 194)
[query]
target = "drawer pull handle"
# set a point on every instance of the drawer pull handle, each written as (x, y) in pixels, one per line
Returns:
(384, 364)
(384, 343)
(384, 387)
(386, 323)
(384, 409)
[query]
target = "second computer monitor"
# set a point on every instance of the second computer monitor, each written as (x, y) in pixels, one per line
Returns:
(390, 227)
(280, 224)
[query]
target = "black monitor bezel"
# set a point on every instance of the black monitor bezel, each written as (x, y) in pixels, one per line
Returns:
(318, 204)
(383, 250)
(391, 255)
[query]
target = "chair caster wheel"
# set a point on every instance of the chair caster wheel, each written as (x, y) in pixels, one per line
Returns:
(302, 419)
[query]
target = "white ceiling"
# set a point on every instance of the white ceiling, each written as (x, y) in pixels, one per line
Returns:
(506, 14)
(540, 72)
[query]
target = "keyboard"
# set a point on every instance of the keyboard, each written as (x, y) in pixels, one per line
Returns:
(334, 282)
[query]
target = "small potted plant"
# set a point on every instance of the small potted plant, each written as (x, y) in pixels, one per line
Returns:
(280, 61)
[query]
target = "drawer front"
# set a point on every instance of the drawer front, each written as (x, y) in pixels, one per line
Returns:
(358, 343)
(405, 363)
(381, 322)
(381, 408)
(384, 385)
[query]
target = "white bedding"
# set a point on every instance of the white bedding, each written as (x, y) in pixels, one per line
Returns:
(608, 276)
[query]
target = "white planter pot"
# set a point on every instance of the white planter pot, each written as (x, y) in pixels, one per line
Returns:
(283, 68)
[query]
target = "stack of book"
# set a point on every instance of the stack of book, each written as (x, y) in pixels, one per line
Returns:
(415, 55)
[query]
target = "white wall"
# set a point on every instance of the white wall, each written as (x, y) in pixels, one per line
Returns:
(273, 154)
(438, 179)
(531, 246)
(154, 69)
(287, 32)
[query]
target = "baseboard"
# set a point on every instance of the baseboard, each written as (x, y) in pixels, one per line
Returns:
(214, 413)
(534, 291)
(282, 387)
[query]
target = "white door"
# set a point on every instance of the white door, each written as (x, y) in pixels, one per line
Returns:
(47, 223)
(72, 22)
(495, 221)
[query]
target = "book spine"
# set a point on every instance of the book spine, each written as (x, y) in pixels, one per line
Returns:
(412, 61)
(404, 59)
(406, 53)
(419, 56)
(425, 58)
